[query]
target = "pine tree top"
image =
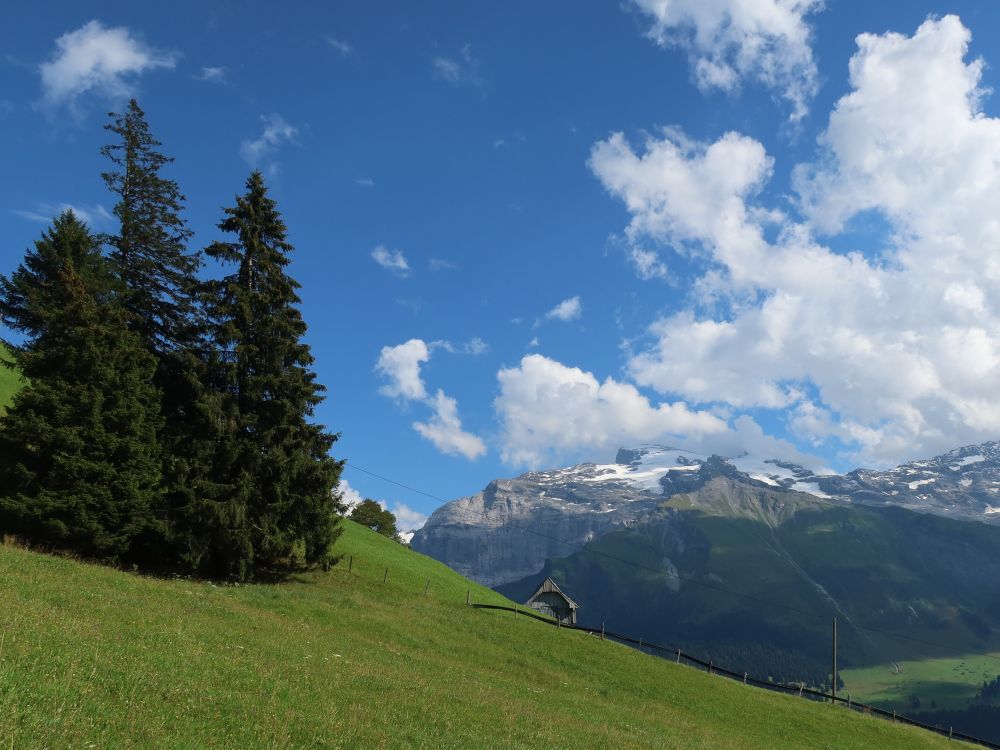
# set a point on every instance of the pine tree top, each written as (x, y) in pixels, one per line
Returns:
(29, 298)
(149, 251)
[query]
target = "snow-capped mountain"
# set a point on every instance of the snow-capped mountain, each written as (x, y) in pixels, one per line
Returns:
(963, 483)
(510, 528)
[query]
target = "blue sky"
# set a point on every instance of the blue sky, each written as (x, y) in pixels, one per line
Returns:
(528, 233)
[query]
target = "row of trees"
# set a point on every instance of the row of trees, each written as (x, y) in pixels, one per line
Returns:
(165, 419)
(371, 515)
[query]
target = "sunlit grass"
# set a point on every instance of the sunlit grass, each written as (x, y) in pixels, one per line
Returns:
(950, 683)
(92, 657)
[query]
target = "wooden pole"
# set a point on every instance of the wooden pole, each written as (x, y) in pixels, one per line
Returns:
(350, 563)
(678, 656)
(744, 678)
(386, 576)
(427, 586)
(833, 672)
(602, 631)
(468, 597)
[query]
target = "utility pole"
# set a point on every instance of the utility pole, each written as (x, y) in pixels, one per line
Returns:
(833, 680)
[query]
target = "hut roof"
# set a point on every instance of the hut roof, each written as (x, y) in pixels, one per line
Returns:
(548, 585)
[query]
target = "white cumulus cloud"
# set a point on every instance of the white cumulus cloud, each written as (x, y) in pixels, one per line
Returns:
(767, 41)
(894, 351)
(213, 74)
(350, 498)
(549, 412)
(400, 365)
(44, 213)
(391, 260)
(277, 132)
(445, 431)
(98, 59)
(567, 310)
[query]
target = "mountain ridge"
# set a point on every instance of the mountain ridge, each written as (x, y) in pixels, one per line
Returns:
(508, 530)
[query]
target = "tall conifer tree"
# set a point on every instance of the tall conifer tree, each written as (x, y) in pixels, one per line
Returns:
(278, 477)
(158, 281)
(79, 457)
(149, 251)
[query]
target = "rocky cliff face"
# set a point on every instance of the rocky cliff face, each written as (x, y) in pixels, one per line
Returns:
(507, 532)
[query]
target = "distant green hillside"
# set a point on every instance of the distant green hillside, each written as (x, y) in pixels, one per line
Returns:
(752, 578)
(92, 657)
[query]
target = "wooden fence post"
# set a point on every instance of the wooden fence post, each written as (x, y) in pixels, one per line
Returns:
(801, 685)
(833, 671)
(468, 597)
(515, 611)
(710, 666)
(848, 700)
(350, 563)
(602, 631)
(427, 586)
(893, 716)
(744, 678)
(386, 576)
(678, 656)
(950, 731)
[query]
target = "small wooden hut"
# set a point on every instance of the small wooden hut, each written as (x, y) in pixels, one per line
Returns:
(550, 600)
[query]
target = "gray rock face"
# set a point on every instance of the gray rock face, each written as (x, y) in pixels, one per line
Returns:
(506, 532)
(963, 484)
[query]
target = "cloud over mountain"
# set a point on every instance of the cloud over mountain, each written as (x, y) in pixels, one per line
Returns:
(731, 40)
(891, 350)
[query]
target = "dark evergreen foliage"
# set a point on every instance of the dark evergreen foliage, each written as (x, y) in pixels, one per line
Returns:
(369, 513)
(165, 421)
(978, 721)
(989, 692)
(149, 251)
(271, 505)
(159, 285)
(79, 458)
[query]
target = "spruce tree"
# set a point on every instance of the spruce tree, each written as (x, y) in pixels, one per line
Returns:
(158, 281)
(157, 273)
(274, 504)
(79, 458)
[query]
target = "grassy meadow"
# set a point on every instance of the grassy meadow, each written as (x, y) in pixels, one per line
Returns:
(97, 658)
(949, 682)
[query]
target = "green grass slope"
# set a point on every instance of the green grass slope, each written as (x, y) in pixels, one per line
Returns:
(92, 657)
(10, 382)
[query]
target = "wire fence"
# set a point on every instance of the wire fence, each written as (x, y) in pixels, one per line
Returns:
(709, 666)
(801, 690)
